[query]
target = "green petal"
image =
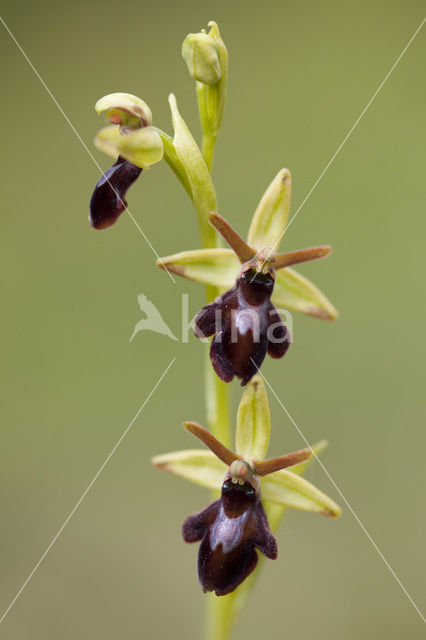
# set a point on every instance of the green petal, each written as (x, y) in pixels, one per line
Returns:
(217, 267)
(196, 465)
(297, 293)
(290, 490)
(253, 421)
(271, 216)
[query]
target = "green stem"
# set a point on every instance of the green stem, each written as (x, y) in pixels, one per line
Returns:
(219, 618)
(217, 405)
(219, 610)
(209, 138)
(209, 141)
(194, 172)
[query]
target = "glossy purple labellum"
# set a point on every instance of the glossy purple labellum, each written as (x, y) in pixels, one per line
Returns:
(245, 325)
(230, 530)
(108, 199)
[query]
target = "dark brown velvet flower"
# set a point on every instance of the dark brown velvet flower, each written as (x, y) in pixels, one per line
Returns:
(245, 325)
(230, 530)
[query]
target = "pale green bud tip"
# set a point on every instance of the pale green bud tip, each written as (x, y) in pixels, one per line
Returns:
(142, 147)
(125, 109)
(200, 52)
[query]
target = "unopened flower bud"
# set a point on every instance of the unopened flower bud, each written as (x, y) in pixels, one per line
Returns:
(200, 52)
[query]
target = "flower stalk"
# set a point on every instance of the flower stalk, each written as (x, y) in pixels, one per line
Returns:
(246, 284)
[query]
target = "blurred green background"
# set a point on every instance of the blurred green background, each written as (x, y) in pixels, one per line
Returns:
(300, 75)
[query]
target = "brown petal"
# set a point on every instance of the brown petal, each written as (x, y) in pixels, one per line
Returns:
(241, 248)
(265, 467)
(223, 453)
(282, 260)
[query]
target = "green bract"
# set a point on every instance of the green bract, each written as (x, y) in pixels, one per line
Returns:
(196, 172)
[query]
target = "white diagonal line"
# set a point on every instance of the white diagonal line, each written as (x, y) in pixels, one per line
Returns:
(84, 494)
(84, 145)
(344, 500)
(351, 130)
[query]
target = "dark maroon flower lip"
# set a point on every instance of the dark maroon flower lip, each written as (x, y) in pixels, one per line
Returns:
(108, 199)
(230, 529)
(245, 325)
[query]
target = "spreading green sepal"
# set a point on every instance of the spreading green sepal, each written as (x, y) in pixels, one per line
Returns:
(290, 490)
(253, 421)
(216, 267)
(196, 465)
(271, 216)
(295, 292)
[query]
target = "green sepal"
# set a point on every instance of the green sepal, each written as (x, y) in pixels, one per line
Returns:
(125, 109)
(271, 216)
(296, 293)
(216, 267)
(253, 421)
(196, 465)
(290, 490)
